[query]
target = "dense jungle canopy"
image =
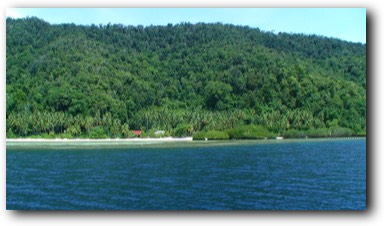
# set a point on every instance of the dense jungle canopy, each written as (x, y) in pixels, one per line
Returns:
(105, 80)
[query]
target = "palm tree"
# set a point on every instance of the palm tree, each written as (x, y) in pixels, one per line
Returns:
(61, 120)
(37, 122)
(115, 129)
(45, 122)
(68, 121)
(23, 124)
(88, 123)
(11, 121)
(107, 122)
(97, 118)
(78, 122)
(74, 130)
(54, 121)
(125, 130)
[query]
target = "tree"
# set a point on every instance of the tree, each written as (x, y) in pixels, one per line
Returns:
(218, 95)
(95, 80)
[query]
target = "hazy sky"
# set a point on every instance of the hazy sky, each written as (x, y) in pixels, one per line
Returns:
(343, 23)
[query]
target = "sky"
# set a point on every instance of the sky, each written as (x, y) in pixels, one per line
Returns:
(344, 23)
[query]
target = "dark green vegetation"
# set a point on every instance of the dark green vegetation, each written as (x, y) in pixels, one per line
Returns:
(103, 81)
(240, 132)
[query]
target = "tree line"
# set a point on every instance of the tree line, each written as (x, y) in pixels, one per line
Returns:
(106, 80)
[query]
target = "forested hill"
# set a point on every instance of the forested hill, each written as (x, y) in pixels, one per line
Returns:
(109, 79)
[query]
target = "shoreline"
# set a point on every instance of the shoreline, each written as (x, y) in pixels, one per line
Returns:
(151, 140)
(168, 142)
(88, 140)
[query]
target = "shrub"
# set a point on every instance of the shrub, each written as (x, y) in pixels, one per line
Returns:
(320, 132)
(44, 136)
(10, 134)
(211, 135)
(130, 134)
(98, 132)
(316, 133)
(183, 130)
(292, 133)
(250, 132)
(341, 132)
(66, 136)
(361, 133)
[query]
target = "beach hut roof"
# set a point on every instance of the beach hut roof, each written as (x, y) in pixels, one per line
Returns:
(137, 132)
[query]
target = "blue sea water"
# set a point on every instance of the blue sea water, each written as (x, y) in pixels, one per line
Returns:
(278, 175)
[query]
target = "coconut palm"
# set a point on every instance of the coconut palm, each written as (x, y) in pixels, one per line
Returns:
(115, 128)
(88, 123)
(125, 130)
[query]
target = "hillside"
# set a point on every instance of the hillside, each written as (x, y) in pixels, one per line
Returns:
(105, 80)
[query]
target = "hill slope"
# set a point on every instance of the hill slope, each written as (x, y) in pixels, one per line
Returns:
(106, 80)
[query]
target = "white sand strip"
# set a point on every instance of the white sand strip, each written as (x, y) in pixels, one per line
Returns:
(41, 140)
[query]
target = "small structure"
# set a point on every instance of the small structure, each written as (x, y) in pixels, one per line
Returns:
(137, 133)
(159, 132)
(279, 138)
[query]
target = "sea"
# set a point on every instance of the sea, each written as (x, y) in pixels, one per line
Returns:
(207, 175)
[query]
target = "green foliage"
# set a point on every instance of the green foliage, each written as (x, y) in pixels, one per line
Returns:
(126, 133)
(44, 136)
(74, 80)
(211, 135)
(98, 132)
(341, 132)
(10, 134)
(292, 133)
(250, 132)
(218, 95)
(66, 136)
(361, 133)
(183, 130)
(320, 132)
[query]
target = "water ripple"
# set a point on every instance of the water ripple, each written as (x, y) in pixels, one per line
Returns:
(326, 175)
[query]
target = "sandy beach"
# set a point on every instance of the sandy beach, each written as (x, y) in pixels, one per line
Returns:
(128, 140)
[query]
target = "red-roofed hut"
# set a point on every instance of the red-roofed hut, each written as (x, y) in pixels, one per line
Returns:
(137, 132)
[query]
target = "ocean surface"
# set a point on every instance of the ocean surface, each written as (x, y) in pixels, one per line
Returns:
(251, 175)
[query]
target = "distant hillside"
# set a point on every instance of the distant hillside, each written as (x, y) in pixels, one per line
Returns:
(107, 80)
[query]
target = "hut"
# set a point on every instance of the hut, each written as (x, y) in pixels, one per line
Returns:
(137, 133)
